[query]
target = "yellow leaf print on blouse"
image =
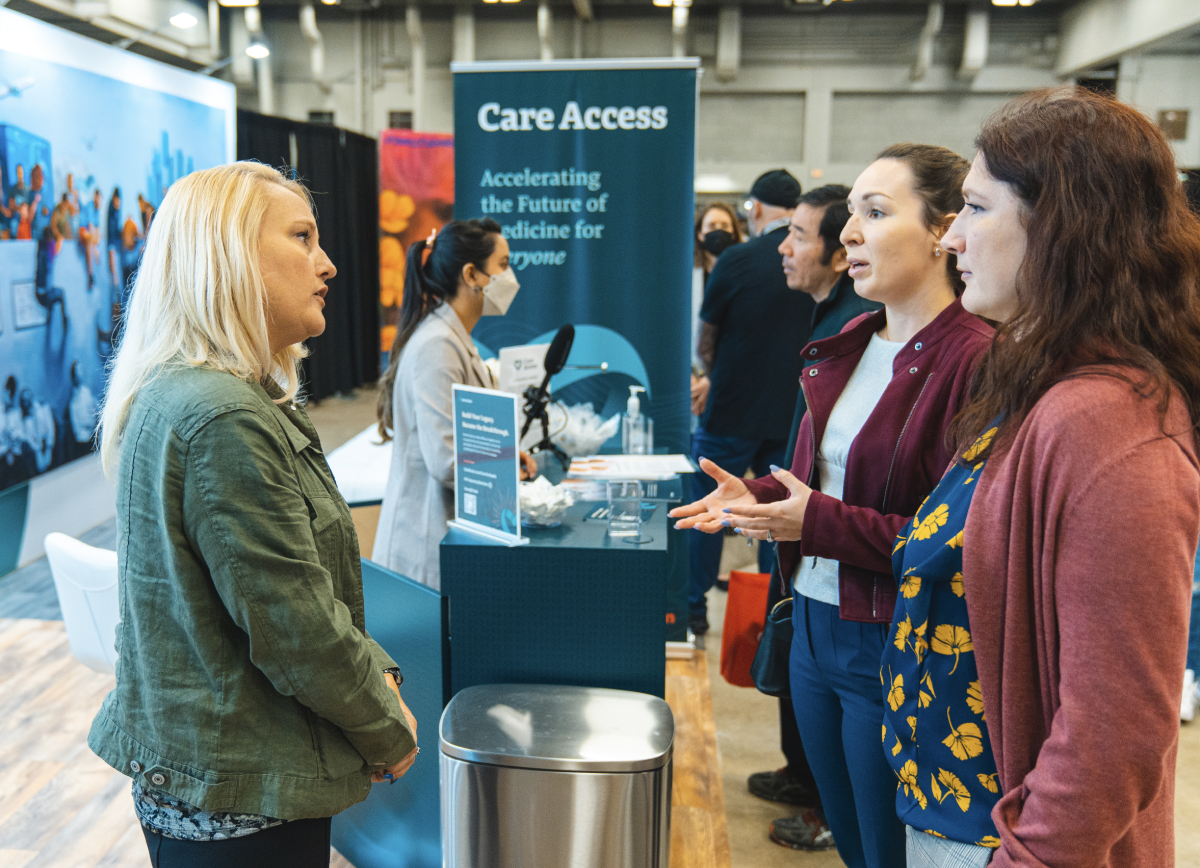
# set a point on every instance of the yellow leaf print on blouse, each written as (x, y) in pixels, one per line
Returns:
(912, 724)
(896, 750)
(929, 524)
(935, 789)
(956, 541)
(975, 698)
(899, 542)
(883, 735)
(984, 441)
(955, 787)
(966, 741)
(924, 699)
(908, 779)
(920, 646)
(910, 586)
(989, 841)
(902, 630)
(896, 694)
(949, 639)
(989, 782)
(956, 584)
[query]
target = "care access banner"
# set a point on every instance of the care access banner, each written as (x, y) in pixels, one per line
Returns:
(589, 169)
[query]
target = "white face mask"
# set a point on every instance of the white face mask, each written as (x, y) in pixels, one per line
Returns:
(498, 295)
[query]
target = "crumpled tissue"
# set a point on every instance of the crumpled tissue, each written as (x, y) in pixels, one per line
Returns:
(543, 504)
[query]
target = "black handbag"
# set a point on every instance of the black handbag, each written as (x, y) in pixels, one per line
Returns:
(770, 667)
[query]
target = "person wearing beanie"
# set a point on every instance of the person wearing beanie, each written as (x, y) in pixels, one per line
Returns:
(751, 333)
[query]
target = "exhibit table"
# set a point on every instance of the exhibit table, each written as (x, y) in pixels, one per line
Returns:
(573, 607)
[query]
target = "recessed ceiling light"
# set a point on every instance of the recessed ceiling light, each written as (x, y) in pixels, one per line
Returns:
(184, 20)
(258, 51)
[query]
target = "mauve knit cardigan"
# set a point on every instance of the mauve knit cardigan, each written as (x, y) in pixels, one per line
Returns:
(1077, 563)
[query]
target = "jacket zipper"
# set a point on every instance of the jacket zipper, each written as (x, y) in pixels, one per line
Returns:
(888, 484)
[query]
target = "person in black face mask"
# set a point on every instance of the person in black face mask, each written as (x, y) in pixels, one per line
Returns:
(716, 230)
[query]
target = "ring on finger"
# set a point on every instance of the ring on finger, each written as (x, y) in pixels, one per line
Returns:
(770, 538)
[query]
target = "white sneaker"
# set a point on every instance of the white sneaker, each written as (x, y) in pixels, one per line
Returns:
(1187, 710)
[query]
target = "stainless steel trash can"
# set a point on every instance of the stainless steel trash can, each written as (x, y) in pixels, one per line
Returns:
(544, 776)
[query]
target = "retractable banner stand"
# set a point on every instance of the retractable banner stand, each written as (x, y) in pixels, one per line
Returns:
(588, 166)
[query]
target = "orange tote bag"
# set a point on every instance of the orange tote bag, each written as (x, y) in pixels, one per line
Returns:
(745, 610)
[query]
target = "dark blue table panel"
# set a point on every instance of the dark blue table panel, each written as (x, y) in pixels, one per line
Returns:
(399, 826)
(572, 607)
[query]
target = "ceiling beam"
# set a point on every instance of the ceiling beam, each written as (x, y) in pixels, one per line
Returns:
(1098, 32)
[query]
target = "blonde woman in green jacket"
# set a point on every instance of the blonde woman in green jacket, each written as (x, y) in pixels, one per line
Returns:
(251, 705)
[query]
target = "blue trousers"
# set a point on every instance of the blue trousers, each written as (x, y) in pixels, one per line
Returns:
(839, 712)
(736, 455)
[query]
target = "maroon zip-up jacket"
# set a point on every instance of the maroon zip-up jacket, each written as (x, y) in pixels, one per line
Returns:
(895, 461)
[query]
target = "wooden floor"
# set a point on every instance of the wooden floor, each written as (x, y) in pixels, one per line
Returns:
(62, 807)
(699, 838)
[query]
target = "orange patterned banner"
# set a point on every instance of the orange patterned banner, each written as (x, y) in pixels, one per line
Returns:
(416, 197)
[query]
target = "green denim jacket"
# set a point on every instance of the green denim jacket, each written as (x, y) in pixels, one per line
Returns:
(246, 681)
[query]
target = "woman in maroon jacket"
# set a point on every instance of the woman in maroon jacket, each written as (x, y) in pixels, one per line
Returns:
(1080, 536)
(880, 397)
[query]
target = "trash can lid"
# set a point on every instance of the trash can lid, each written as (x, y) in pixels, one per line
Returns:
(547, 726)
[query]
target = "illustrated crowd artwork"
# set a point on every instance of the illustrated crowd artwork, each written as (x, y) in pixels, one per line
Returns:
(85, 161)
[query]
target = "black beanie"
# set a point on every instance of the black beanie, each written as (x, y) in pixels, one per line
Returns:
(777, 187)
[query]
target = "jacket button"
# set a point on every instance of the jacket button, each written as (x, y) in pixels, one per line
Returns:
(135, 766)
(917, 346)
(912, 370)
(157, 779)
(813, 372)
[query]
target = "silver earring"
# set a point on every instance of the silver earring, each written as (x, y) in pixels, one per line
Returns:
(937, 252)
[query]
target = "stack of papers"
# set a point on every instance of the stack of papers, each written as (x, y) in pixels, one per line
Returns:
(600, 467)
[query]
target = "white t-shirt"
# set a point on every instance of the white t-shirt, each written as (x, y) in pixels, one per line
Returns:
(817, 578)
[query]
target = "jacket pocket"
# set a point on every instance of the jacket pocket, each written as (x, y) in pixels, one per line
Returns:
(336, 757)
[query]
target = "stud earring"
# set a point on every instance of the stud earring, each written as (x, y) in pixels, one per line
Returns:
(937, 252)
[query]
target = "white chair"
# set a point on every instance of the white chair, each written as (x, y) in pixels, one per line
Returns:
(86, 580)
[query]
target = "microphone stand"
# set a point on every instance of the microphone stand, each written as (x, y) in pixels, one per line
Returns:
(536, 409)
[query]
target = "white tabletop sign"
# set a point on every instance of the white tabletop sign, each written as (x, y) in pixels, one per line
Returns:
(522, 366)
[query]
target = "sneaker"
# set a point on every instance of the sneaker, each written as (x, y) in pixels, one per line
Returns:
(1191, 696)
(805, 832)
(779, 786)
(698, 624)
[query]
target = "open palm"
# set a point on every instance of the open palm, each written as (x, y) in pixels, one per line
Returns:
(707, 513)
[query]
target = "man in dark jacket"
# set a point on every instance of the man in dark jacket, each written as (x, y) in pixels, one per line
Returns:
(814, 262)
(752, 330)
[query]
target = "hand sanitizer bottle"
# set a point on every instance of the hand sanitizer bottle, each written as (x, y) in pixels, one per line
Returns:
(637, 429)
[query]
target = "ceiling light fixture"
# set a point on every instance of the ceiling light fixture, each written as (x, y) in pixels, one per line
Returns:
(238, 3)
(258, 50)
(184, 20)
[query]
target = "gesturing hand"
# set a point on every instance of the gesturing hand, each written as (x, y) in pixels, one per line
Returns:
(706, 514)
(784, 519)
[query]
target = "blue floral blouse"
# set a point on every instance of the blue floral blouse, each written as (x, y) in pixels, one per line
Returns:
(935, 730)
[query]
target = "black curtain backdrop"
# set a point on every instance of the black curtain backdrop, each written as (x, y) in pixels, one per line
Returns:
(341, 169)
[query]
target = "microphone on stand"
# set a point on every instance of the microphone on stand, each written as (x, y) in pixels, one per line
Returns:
(537, 399)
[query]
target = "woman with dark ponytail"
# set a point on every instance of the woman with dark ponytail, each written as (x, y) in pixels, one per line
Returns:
(465, 276)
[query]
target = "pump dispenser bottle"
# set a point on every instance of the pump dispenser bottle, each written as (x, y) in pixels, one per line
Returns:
(637, 429)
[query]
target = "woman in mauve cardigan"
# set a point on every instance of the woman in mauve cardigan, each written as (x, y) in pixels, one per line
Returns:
(1080, 538)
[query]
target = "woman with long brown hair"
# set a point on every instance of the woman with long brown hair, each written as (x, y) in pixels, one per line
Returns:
(1079, 441)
